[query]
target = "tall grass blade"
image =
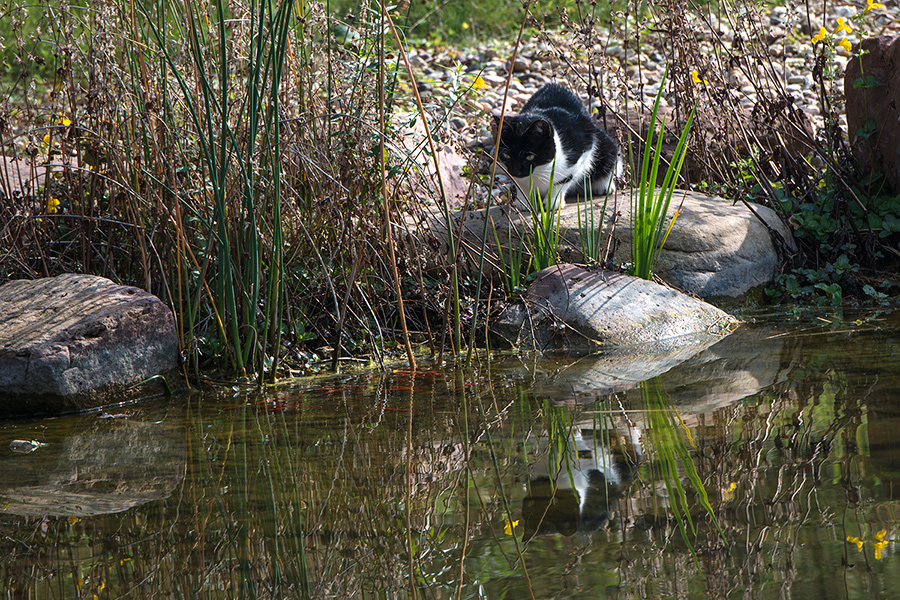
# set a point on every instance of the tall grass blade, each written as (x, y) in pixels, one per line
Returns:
(649, 204)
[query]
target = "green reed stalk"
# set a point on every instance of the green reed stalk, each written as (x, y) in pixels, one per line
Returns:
(274, 59)
(649, 205)
(234, 245)
(544, 242)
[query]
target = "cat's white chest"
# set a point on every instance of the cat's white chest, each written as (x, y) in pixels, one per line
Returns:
(559, 172)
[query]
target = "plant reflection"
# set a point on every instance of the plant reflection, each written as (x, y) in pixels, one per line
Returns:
(478, 482)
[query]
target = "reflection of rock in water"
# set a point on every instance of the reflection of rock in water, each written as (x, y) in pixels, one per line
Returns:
(572, 493)
(108, 467)
(739, 366)
(698, 379)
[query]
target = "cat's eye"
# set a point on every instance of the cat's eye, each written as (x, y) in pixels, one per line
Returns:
(530, 156)
(504, 155)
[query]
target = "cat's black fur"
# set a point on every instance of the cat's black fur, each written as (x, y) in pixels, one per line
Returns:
(554, 137)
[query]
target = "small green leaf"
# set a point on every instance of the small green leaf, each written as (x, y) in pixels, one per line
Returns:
(868, 82)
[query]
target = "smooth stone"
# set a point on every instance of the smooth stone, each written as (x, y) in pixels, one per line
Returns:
(574, 309)
(75, 342)
(716, 249)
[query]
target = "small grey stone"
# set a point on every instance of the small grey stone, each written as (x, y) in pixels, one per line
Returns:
(24, 446)
(774, 34)
(844, 11)
(521, 65)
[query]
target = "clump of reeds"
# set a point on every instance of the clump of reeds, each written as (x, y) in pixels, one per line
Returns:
(242, 160)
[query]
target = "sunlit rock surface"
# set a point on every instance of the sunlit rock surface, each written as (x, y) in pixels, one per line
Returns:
(74, 342)
(716, 248)
(571, 308)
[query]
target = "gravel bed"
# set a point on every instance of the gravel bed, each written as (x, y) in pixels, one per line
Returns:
(783, 37)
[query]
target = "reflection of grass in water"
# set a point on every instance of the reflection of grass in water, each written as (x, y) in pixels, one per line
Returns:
(666, 435)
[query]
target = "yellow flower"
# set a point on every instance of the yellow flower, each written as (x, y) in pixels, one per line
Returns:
(696, 77)
(842, 26)
(729, 493)
(872, 5)
(62, 120)
(821, 35)
(879, 547)
(508, 528)
(479, 83)
(857, 541)
(47, 139)
(880, 535)
(846, 45)
(52, 208)
(73, 519)
(464, 25)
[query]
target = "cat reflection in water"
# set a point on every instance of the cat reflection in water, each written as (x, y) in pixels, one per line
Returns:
(553, 139)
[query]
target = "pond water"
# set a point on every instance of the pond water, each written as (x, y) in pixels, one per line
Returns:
(760, 467)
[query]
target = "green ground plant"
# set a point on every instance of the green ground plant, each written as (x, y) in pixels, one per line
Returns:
(590, 227)
(543, 238)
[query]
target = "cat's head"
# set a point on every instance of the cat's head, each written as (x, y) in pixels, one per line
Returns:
(526, 142)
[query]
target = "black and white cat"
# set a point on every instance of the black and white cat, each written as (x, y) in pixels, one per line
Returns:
(554, 138)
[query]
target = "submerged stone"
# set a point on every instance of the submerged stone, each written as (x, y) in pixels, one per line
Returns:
(582, 310)
(75, 342)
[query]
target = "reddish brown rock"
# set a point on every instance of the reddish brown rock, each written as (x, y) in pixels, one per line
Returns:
(872, 90)
(75, 342)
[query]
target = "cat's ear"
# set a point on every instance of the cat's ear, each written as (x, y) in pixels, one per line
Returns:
(495, 123)
(541, 128)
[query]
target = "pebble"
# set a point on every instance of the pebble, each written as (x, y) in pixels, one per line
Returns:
(621, 71)
(25, 446)
(458, 123)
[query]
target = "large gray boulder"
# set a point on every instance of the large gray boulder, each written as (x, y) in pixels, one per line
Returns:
(716, 249)
(75, 342)
(872, 91)
(571, 308)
